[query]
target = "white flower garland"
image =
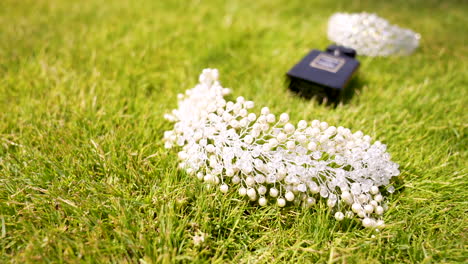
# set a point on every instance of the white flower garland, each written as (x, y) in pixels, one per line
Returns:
(269, 159)
(371, 35)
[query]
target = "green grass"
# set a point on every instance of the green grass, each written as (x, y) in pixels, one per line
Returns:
(84, 176)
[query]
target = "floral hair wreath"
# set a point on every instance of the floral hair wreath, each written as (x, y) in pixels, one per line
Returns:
(268, 159)
(371, 35)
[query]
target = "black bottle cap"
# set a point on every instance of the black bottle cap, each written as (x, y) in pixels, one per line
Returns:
(341, 50)
(324, 74)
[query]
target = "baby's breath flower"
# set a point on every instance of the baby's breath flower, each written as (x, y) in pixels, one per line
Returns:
(371, 35)
(271, 161)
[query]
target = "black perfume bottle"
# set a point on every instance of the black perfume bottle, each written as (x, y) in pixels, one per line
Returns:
(324, 74)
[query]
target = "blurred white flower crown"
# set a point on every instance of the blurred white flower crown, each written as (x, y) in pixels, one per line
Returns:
(268, 159)
(371, 35)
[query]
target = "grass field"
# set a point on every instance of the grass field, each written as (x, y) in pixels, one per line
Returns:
(84, 176)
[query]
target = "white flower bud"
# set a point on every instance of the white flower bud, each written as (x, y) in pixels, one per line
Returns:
(236, 179)
(227, 117)
(244, 122)
(281, 137)
(315, 131)
(289, 196)
(361, 214)
(368, 208)
(314, 188)
(378, 198)
(379, 210)
(240, 100)
(289, 128)
(251, 193)
(312, 146)
(182, 155)
(315, 124)
(234, 123)
(310, 201)
(226, 91)
(249, 181)
(339, 216)
(290, 145)
(261, 119)
(208, 178)
(281, 202)
(358, 134)
(323, 125)
(270, 118)
(248, 139)
(261, 190)
(214, 74)
(274, 192)
(224, 188)
(273, 142)
(229, 172)
(356, 207)
(242, 191)
(368, 222)
(346, 196)
(200, 176)
(302, 124)
(284, 118)
(243, 112)
(323, 139)
(301, 139)
(257, 127)
(363, 198)
(380, 224)
(331, 131)
(252, 117)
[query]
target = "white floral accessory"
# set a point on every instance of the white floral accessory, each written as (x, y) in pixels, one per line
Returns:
(268, 159)
(371, 35)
